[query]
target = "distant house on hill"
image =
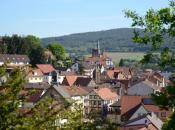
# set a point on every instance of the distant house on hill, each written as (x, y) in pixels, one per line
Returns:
(14, 60)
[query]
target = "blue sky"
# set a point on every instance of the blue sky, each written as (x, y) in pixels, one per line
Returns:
(45, 18)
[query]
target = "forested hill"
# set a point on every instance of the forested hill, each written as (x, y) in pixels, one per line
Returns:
(110, 40)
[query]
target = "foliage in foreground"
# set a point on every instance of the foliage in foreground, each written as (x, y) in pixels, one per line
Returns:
(157, 24)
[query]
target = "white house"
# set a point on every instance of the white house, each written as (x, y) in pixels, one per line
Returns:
(35, 76)
(50, 74)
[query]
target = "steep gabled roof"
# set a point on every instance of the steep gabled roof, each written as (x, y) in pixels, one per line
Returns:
(151, 117)
(82, 81)
(35, 73)
(45, 68)
(129, 102)
(69, 80)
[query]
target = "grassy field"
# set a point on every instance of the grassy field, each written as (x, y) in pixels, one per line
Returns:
(116, 56)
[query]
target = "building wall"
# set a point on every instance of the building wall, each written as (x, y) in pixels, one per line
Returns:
(92, 102)
(136, 127)
(47, 78)
(35, 79)
(138, 113)
(60, 79)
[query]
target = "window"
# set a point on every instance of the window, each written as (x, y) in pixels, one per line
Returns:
(95, 103)
(91, 97)
(163, 114)
(99, 103)
(157, 114)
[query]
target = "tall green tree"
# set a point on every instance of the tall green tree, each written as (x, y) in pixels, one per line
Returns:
(28, 45)
(157, 24)
(57, 50)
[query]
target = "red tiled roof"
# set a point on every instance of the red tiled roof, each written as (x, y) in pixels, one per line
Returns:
(69, 80)
(75, 91)
(129, 102)
(45, 68)
(35, 72)
(106, 93)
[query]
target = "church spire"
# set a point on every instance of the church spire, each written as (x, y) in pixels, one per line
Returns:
(98, 47)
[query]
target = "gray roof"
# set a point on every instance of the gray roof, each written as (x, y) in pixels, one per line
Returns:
(62, 92)
(36, 85)
(14, 58)
(151, 117)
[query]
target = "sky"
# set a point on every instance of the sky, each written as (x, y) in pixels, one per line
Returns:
(47, 18)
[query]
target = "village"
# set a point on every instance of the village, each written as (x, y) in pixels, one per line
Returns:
(121, 95)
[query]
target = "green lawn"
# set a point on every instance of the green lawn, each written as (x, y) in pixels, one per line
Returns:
(116, 56)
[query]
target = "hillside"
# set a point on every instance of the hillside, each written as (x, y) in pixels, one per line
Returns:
(114, 40)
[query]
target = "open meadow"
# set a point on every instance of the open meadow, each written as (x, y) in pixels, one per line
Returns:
(116, 56)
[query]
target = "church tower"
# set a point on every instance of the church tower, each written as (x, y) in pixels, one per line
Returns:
(98, 47)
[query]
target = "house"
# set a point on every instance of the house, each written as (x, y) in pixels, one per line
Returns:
(78, 81)
(85, 82)
(131, 107)
(65, 94)
(50, 74)
(31, 97)
(123, 73)
(147, 106)
(63, 74)
(35, 76)
(158, 79)
(99, 100)
(14, 60)
(88, 69)
(69, 80)
(143, 88)
(149, 120)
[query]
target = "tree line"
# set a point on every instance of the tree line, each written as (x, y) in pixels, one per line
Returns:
(32, 47)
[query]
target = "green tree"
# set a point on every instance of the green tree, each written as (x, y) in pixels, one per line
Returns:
(45, 115)
(121, 63)
(37, 56)
(39, 117)
(57, 50)
(28, 45)
(157, 24)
